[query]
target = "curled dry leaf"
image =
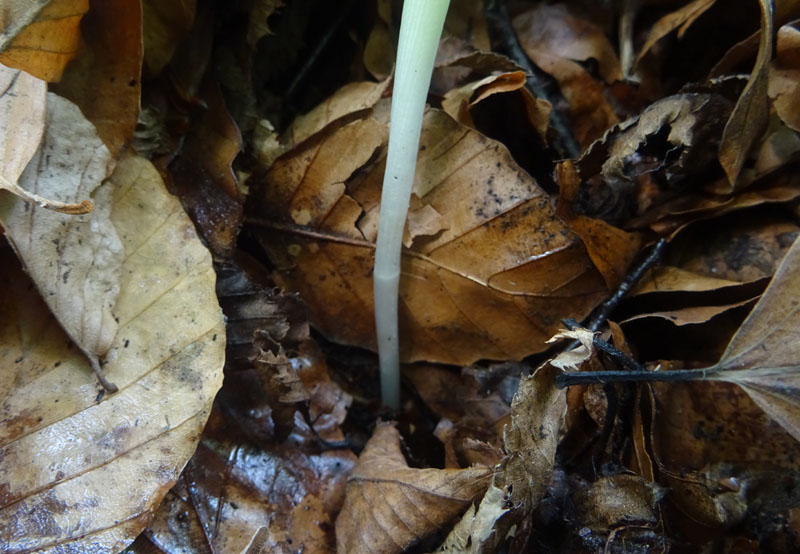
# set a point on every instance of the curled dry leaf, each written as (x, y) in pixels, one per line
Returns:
(491, 282)
(389, 506)
(41, 36)
(84, 472)
(75, 261)
(750, 115)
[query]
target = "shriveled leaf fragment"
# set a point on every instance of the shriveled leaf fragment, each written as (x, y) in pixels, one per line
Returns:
(75, 261)
(492, 282)
(41, 37)
(82, 471)
(389, 506)
(521, 480)
(104, 79)
(764, 356)
(750, 115)
(571, 360)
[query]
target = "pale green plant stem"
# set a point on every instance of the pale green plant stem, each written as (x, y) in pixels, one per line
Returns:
(420, 30)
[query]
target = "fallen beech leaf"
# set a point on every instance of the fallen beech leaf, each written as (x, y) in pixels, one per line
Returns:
(680, 19)
(520, 482)
(616, 501)
(763, 357)
(485, 286)
(74, 261)
(389, 506)
(41, 36)
(104, 79)
(85, 472)
(22, 108)
(750, 115)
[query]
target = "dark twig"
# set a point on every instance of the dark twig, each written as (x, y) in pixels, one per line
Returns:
(539, 83)
(601, 315)
(614, 353)
(572, 378)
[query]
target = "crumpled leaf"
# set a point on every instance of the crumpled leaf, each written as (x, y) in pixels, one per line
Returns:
(482, 286)
(104, 79)
(22, 108)
(82, 471)
(75, 261)
(750, 115)
(41, 36)
(521, 480)
(763, 357)
(389, 506)
(571, 360)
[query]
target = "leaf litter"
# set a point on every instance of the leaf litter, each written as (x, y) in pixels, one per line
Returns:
(703, 153)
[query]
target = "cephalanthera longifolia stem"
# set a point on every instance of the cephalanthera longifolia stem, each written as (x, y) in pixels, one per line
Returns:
(420, 29)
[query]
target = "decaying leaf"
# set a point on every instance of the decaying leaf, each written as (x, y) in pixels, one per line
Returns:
(82, 471)
(480, 286)
(75, 261)
(41, 36)
(166, 22)
(749, 117)
(784, 76)
(521, 480)
(680, 19)
(389, 506)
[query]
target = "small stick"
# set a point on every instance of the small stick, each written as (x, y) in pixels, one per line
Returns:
(572, 378)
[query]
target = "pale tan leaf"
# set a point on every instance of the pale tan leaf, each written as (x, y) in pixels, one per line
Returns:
(22, 121)
(74, 260)
(784, 77)
(571, 360)
(41, 37)
(482, 286)
(389, 506)
(750, 115)
(84, 471)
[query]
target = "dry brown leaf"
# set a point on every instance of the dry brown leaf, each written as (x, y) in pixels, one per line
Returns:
(41, 37)
(389, 506)
(82, 471)
(165, 24)
(784, 76)
(104, 79)
(764, 356)
(75, 261)
(681, 19)
(750, 115)
(520, 482)
(485, 286)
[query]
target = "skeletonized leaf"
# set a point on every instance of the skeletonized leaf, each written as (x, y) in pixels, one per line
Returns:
(390, 506)
(763, 357)
(74, 260)
(41, 36)
(82, 472)
(490, 269)
(751, 113)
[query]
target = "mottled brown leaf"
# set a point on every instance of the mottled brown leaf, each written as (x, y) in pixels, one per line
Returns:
(493, 282)
(389, 506)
